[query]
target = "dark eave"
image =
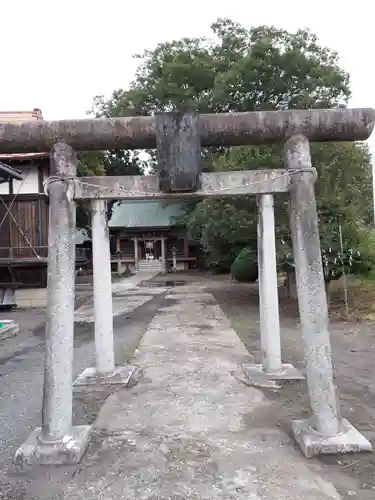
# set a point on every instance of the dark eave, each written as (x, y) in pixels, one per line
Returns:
(7, 172)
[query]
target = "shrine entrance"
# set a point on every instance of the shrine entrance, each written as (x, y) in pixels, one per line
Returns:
(178, 139)
(150, 249)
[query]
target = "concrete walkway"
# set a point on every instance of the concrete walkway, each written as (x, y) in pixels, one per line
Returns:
(184, 432)
(124, 288)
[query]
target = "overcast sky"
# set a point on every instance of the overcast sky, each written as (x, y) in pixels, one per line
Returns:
(58, 55)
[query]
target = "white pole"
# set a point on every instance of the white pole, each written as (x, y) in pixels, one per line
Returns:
(104, 348)
(344, 273)
(136, 263)
(268, 292)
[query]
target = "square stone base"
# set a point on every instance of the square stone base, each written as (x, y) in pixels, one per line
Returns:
(8, 328)
(122, 375)
(312, 443)
(67, 452)
(287, 372)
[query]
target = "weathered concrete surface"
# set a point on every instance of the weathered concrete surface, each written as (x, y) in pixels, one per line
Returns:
(21, 375)
(105, 373)
(133, 281)
(125, 297)
(182, 433)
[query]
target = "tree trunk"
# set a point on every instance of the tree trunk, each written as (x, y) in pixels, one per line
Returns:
(291, 284)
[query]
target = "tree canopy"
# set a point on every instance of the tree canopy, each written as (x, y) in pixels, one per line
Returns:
(247, 69)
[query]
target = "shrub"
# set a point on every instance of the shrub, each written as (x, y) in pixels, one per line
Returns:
(245, 267)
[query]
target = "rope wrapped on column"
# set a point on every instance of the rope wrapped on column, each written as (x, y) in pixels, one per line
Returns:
(57, 441)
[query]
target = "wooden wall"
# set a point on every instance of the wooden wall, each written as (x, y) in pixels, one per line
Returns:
(31, 215)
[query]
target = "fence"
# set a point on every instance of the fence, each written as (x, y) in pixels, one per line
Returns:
(36, 252)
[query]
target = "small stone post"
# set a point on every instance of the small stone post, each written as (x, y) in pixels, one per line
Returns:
(174, 259)
(103, 313)
(325, 432)
(268, 296)
(105, 372)
(162, 241)
(271, 367)
(58, 442)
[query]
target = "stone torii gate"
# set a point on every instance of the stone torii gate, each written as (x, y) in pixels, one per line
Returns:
(178, 139)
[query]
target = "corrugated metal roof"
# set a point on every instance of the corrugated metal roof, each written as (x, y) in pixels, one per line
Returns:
(139, 213)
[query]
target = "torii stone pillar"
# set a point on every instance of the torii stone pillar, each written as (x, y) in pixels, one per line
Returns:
(105, 372)
(57, 441)
(325, 431)
(104, 348)
(271, 367)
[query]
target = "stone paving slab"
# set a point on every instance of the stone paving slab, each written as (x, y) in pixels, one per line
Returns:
(120, 305)
(133, 281)
(143, 290)
(184, 431)
(126, 296)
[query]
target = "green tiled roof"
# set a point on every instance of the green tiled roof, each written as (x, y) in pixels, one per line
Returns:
(139, 213)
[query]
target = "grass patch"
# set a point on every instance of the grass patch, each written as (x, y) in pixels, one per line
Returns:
(361, 298)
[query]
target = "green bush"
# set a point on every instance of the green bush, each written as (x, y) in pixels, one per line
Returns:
(245, 267)
(220, 259)
(221, 266)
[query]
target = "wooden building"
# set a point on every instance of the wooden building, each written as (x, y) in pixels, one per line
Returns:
(24, 216)
(147, 235)
(24, 212)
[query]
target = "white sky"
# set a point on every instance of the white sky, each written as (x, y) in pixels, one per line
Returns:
(58, 55)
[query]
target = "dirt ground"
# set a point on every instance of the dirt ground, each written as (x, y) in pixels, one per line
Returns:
(353, 345)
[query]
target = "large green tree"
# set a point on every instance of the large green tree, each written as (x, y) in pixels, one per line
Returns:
(241, 69)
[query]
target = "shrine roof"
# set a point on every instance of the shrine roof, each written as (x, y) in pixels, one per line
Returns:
(149, 213)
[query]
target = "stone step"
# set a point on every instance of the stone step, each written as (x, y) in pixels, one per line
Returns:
(151, 266)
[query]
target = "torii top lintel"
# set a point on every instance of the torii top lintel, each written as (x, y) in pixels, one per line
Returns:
(341, 124)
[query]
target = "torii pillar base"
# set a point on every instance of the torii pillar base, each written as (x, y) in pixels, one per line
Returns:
(258, 375)
(312, 443)
(68, 451)
(121, 376)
